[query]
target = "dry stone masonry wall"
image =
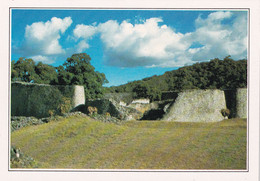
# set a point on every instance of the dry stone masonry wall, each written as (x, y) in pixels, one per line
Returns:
(197, 106)
(241, 103)
(78, 96)
(38, 100)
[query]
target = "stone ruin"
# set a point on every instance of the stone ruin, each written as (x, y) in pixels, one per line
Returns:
(197, 106)
(187, 106)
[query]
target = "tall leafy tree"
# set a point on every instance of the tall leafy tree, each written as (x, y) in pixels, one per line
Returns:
(77, 70)
(46, 74)
(23, 70)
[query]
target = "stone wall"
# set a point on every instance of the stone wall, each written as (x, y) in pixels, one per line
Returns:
(197, 106)
(37, 100)
(140, 101)
(78, 96)
(241, 103)
(126, 98)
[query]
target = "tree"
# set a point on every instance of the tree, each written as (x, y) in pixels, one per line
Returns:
(23, 70)
(77, 70)
(46, 74)
(144, 90)
(216, 74)
(141, 90)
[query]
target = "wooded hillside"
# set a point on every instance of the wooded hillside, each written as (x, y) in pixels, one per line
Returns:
(216, 74)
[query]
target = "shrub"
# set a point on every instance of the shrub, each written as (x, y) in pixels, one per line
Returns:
(225, 112)
(51, 113)
(107, 115)
(65, 106)
(20, 160)
(92, 110)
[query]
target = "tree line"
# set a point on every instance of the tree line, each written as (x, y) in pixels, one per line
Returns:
(76, 70)
(215, 74)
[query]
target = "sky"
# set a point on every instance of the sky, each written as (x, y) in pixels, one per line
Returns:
(128, 45)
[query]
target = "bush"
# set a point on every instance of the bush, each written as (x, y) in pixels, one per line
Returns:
(20, 160)
(92, 110)
(225, 112)
(65, 106)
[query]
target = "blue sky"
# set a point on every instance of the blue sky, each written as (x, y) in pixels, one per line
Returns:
(129, 45)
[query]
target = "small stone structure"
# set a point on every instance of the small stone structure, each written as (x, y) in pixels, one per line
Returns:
(241, 103)
(141, 101)
(197, 106)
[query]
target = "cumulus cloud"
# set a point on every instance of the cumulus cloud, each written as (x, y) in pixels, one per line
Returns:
(219, 39)
(45, 59)
(42, 38)
(82, 31)
(151, 43)
(145, 44)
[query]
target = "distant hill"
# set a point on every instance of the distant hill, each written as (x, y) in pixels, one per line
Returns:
(215, 74)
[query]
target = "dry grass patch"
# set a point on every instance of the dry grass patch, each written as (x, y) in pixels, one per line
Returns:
(83, 143)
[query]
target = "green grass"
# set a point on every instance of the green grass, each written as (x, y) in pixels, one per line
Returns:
(82, 143)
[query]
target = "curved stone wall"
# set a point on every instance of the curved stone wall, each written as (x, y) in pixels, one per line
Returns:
(79, 96)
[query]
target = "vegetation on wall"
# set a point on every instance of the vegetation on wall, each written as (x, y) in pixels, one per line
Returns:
(37, 100)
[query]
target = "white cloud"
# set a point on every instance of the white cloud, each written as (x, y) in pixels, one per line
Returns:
(42, 38)
(143, 44)
(81, 46)
(83, 31)
(148, 43)
(219, 39)
(45, 59)
(151, 43)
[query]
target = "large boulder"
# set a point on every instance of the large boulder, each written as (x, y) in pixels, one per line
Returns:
(197, 106)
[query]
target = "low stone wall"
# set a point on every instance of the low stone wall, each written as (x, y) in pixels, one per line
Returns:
(126, 98)
(140, 101)
(37, 100)
(241, 103)
(197, 106)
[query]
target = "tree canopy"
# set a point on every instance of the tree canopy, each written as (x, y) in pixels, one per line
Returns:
(215, 74)
(76, 70)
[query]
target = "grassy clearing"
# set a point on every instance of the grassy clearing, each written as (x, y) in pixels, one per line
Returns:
(82, 143)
